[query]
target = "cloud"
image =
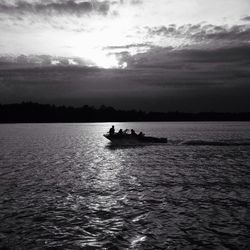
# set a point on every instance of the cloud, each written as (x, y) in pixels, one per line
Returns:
(33, 61)
(163, 67)
(160, 89)
(160, 79)
(222, 55)
(128, 46)
(136, 2)
(235, 33)
(70, 7)
(246, 18)
(193, 69)
(159, 57)
(203, 33)
(59, 7)
(131, 26)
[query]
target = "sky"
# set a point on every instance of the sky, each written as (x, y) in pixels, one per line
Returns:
(164, 55)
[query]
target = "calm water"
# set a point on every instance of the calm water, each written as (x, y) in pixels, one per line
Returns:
(63, 187)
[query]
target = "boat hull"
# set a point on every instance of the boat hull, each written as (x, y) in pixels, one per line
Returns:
(133, 139)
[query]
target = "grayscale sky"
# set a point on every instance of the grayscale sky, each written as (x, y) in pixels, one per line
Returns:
(164, 55)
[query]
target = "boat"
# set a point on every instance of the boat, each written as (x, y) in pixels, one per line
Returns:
(129, 139)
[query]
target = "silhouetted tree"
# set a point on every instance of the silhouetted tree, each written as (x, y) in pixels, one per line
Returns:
(34, 112)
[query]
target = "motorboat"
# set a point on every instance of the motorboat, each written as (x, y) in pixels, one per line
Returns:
(130, 139)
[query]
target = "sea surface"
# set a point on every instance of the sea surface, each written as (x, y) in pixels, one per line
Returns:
(63, 186)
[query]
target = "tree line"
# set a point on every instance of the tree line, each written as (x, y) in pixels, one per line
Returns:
(28, 112)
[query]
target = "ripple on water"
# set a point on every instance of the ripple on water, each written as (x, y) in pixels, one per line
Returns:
(63, 187)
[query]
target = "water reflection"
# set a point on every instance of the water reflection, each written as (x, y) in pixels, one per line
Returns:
(107, 181)
(64, 187)
(111, 146)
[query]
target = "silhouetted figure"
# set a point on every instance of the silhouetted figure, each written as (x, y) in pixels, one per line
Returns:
(120, 132)
(112, 130)
(133, 132)
(141, 134)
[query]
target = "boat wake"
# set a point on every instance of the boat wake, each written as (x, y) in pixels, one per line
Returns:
(222, 143)
(216, 143)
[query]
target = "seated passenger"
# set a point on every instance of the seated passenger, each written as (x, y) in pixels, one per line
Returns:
(112, 130)
(125, 131)
(141, 134)
(133, 132)
(120, 132)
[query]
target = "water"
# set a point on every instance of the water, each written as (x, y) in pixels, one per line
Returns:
(64, 187)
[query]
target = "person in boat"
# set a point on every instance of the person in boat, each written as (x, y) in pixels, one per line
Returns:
(133, 132)
(112, 130)
(120, 132)
(141, 134)
(125, 132)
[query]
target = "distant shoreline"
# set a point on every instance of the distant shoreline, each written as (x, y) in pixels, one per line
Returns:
(28, 112)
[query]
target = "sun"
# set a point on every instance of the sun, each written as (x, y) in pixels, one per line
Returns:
(96, 45)
(106, 61)
(97, 57)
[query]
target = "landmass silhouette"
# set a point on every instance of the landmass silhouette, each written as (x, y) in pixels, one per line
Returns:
(29, 112)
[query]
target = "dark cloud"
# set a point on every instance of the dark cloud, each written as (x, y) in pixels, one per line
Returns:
(247, 18)
(161, 79)
(221, 55)
(122, 89)
(235, 33)
(31, 61)
(129, 46)
(70, 7)
(195, 67)
(134, 2)
(201, 33)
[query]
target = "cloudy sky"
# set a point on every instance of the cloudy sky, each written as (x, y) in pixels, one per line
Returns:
(187, 55)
